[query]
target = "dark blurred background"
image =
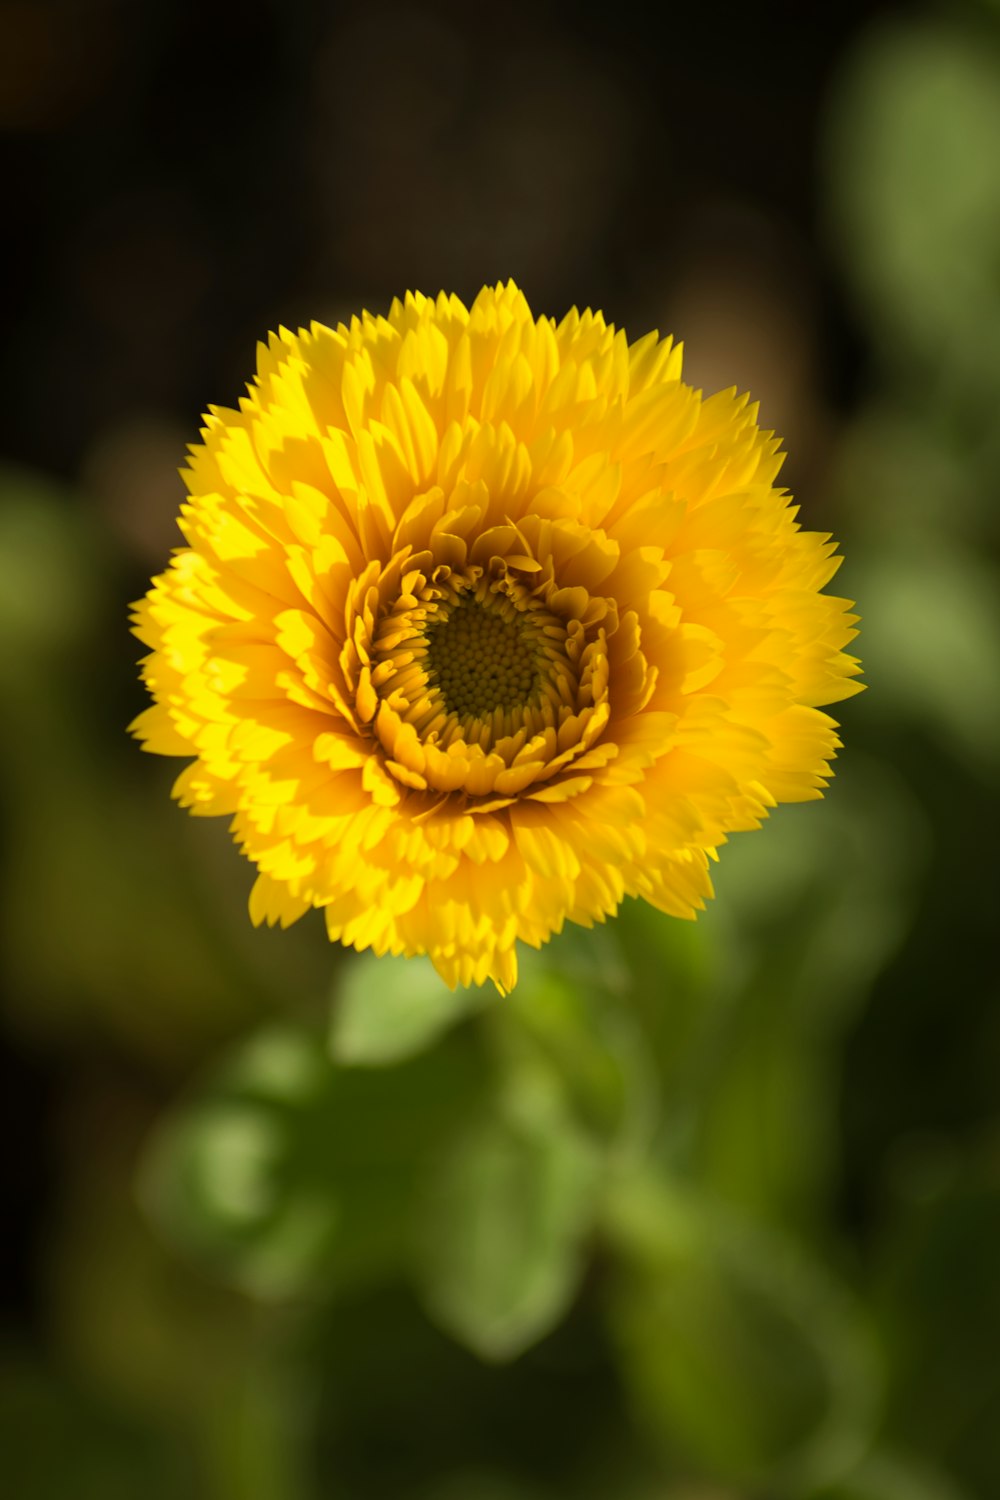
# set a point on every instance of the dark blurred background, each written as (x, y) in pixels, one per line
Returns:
(809, 197)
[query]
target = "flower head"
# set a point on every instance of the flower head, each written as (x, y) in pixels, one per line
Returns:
(485, 622)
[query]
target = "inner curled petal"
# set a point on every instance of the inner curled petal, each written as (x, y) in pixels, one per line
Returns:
(486, 682)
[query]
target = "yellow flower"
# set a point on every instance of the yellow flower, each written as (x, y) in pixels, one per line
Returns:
(485, 622)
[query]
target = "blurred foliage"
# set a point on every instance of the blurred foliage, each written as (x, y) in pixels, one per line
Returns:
(914, 197)
(740, 1353)
(699, 1212)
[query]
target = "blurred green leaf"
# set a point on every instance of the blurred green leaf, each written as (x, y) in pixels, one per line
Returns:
(289, 1175)
(885, 1475)
(758, 1101)
(502, 1220)
(387, 1009)
(569, 1019)
(52, 571)
(932, 642)
(674, 970)
(938, 1302)
(897, 474)
(256, 1435)
(196, 1365)
(737, 1351)
(915, 195)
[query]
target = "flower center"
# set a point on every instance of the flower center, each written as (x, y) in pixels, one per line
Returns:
(479, 659)
(481, 683)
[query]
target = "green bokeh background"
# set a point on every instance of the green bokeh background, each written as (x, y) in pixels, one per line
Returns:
(700, 1212)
